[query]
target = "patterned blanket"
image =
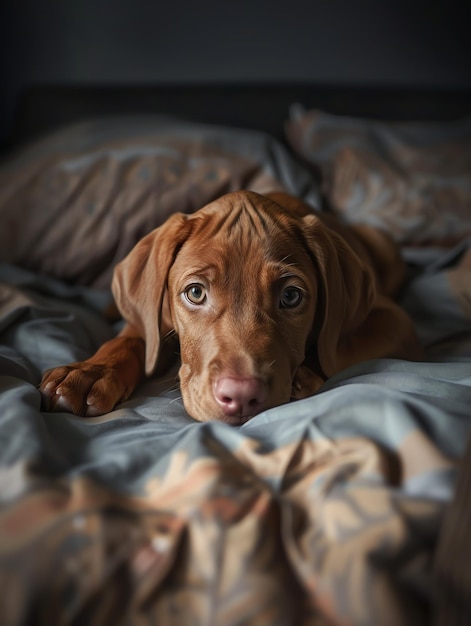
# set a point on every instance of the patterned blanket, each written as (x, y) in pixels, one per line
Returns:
(324, 511)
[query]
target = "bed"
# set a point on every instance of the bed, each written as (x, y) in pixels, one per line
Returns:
(350, 507)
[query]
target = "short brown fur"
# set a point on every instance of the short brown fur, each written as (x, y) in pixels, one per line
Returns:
(248, 253)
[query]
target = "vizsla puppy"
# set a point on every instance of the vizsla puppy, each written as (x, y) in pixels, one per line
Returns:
(267, 300)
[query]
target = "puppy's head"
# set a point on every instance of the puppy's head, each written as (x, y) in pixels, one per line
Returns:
(248, 285)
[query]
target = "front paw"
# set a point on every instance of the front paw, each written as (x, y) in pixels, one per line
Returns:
(82, 388)
(305, 383)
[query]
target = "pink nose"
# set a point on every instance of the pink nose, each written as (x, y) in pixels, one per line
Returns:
(240, 396)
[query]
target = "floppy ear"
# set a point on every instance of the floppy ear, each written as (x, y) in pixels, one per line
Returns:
(347, 291)
(140, 284)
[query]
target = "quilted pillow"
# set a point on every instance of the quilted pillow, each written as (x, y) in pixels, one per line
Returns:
(412, 179)
(74, 203)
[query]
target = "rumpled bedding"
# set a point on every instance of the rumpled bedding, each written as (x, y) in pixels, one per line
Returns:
(323, 511)
(413, 179)
(111, 181)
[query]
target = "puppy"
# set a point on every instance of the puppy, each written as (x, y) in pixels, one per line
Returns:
(267, 301)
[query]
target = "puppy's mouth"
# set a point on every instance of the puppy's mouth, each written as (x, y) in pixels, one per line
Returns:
(230, 397)
(236, 420)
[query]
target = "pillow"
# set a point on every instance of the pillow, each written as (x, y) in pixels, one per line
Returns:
(74, 203)
(412, 179)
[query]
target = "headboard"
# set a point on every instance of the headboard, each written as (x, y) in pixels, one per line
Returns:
(41, 108)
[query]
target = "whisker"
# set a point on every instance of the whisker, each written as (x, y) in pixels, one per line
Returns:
(171, 379)
(285, 258)
(173, 387)
(284, 261)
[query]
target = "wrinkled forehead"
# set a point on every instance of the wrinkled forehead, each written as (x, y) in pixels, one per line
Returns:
(250, 230)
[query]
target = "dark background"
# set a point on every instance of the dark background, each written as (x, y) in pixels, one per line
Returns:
(338, 42)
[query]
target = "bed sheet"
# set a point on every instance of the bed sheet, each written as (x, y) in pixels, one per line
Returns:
(322, 511)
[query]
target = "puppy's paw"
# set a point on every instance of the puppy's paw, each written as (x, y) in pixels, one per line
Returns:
(82, 388)
(305, 383)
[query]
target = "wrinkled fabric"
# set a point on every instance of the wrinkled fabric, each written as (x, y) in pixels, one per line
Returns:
(73, 204)
(412, 179)
(323, 511)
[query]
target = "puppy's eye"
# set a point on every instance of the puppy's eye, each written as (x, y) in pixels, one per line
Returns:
(195, 294)
(291, 298)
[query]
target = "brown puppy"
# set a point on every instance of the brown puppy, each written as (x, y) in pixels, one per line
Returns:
(267, 301)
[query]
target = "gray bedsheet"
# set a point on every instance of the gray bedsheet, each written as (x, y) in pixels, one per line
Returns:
(322, 511)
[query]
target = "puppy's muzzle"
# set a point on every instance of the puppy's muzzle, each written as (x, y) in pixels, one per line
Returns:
(240, 398)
